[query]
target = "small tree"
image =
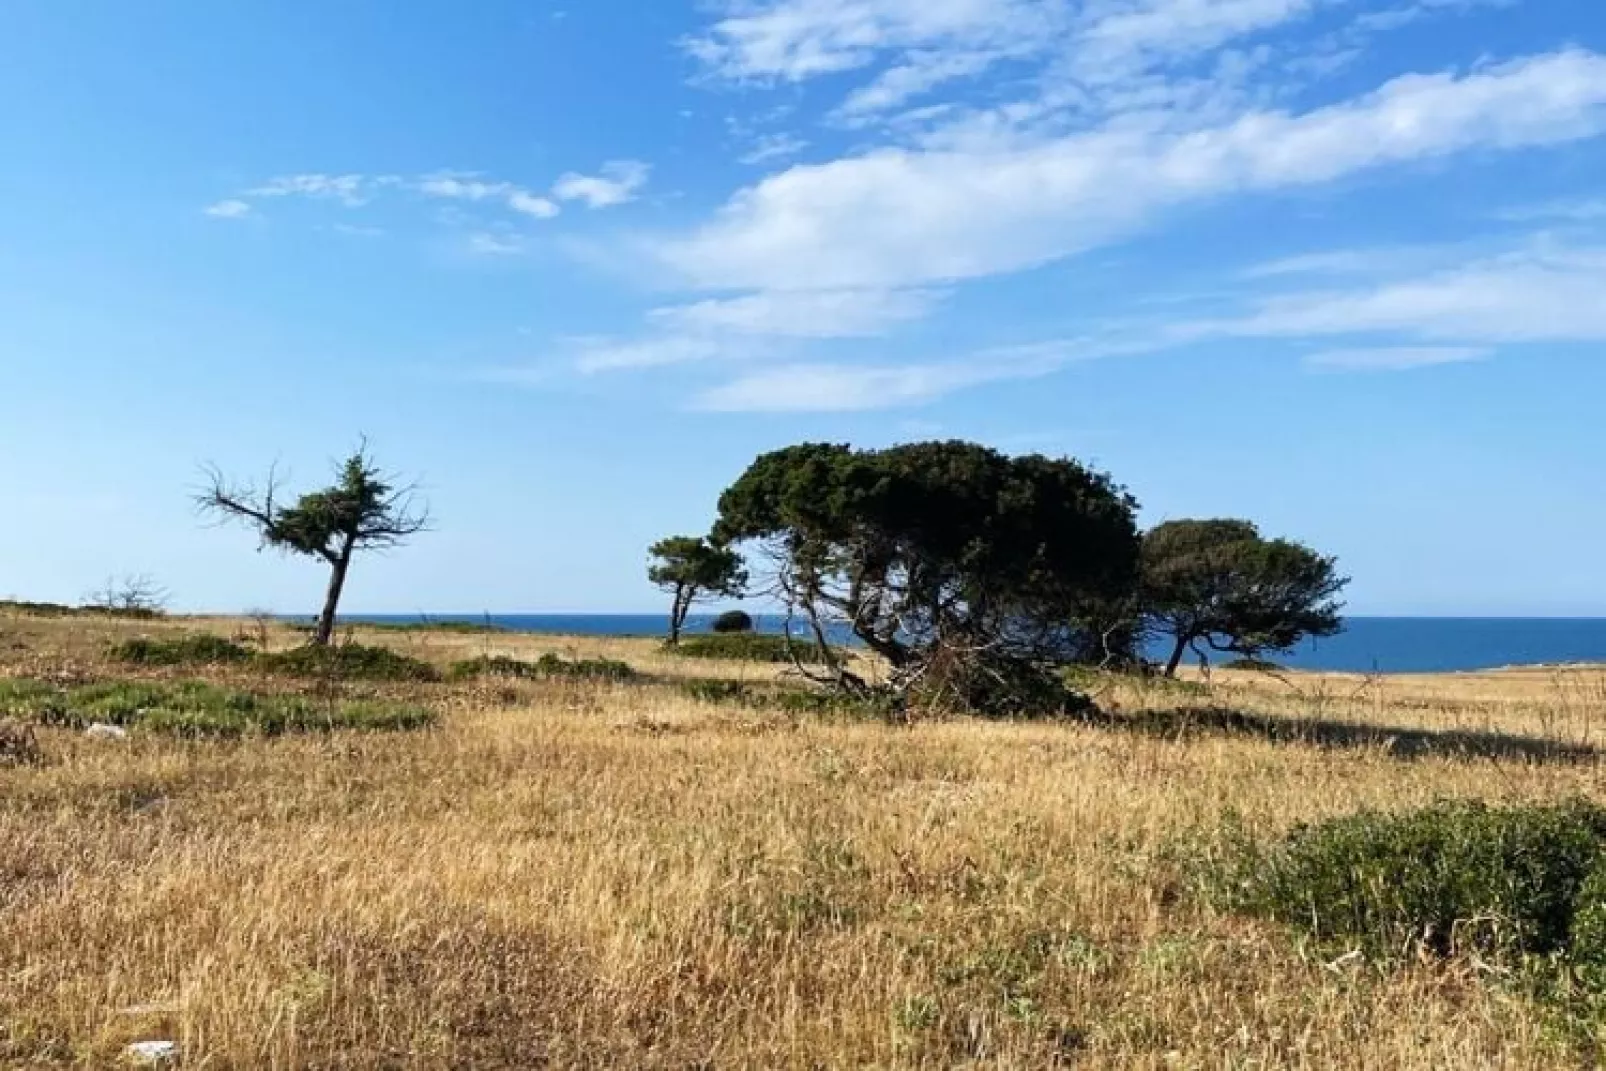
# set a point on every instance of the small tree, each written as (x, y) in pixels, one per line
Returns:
(132, 596)
(364, 509)
(691, 569)
(1219, 583)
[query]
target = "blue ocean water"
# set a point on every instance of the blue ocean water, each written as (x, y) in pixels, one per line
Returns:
(1367, 644)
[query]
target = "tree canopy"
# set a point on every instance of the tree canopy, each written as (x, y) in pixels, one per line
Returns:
(1221, 584)
(963, 568)
(364, 509)
(691, 569)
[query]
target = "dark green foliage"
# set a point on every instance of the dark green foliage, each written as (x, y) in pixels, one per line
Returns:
(547, 667)
(349, 661)
(193, 708)
(200, 649)
(955, 563)
(730, 621)
(690, 569)
(1219, 583)
(748, 647)
(1454, 877)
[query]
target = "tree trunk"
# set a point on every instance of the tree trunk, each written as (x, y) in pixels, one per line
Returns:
(677, 617)
(1176, 655)
(331, 600)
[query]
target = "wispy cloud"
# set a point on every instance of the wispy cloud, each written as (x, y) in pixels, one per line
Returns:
(769, 147)
(230, 209)
(896, 217)
(348, 189)
(802, 314)
(1393, 358)
(616, 185)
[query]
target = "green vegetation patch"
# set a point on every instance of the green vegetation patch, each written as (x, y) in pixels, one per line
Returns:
(747, 647)
(197, 649)
(1457, 877)
(350, 661)
(195, 708)
(547, 667)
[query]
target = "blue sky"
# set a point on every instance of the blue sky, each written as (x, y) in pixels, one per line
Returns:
(1338, 266)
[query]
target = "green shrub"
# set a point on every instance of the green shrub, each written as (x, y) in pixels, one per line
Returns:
(547, 667)
(587, 669)
(1453, 877)
(747, 647)
(732, 621)
(199, 649)
(195, 708)
(349, 661)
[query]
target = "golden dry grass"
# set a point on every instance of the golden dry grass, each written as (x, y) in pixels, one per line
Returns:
(606, 875)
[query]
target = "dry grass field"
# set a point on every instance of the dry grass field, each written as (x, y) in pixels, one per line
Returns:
(568, 873)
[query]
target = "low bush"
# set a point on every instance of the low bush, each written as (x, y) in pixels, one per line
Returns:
(1454, 877)
(547, 667)
(747, 647)
(348, 661)
(198, 649)
(732, 621)
(194, 708)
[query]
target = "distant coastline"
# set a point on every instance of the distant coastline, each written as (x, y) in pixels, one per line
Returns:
(1367, 644)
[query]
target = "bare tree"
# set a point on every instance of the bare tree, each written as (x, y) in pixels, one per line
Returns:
(364, 509)
(134, 595)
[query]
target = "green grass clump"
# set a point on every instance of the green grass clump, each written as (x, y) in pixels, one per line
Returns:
(1503, 882)
(547, 667)
(198, 649)
(350, 661)
(426, 625)
(746, 647)
(195, 708)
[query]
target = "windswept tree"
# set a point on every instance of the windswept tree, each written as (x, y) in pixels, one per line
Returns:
(364, 509)
(965, 570)
(1220, 584)
(691, 569)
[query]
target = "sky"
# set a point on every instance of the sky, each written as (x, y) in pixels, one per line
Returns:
(1336, 266)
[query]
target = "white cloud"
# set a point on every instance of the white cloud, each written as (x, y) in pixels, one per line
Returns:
(817, 388)
(484, 243)
(462, 186)
(469, 186)
(530, 204)
(617, 185)
(896, 217)
(611, 355)
(348, 189)
(231, 209)
(802, 314)
(769, 147)
(1392, 358)
(793, 40)
(1533, 295)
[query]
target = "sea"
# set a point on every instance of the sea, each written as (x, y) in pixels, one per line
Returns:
(1367, 644)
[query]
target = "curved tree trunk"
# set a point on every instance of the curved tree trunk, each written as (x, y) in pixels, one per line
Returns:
(331, 600)
(1176, 655)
